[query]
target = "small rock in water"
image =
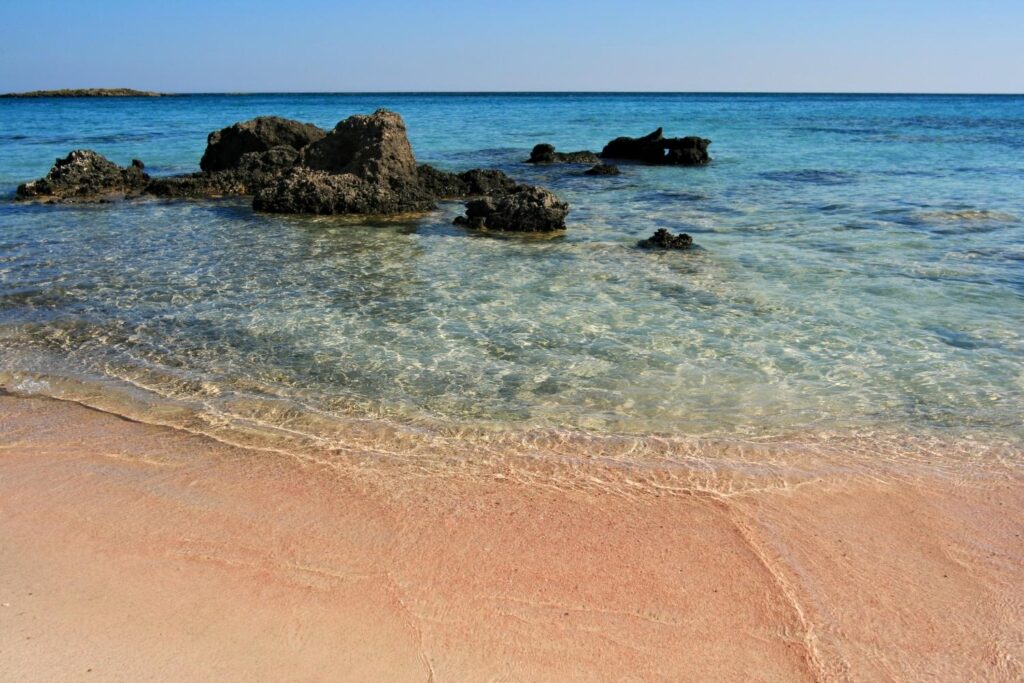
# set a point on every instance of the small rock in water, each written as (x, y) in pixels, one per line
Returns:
(84, 175)
(663, 239)
(524, 209)
(546, 154)
(602, 169)
(655, 148)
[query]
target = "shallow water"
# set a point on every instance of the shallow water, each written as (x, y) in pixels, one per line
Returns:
(861, 269)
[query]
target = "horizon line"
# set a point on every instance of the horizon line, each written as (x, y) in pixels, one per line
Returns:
(173, 93)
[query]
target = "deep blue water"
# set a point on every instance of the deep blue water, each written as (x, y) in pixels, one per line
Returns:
(861, 265)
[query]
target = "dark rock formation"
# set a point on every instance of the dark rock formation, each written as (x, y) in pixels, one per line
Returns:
(475, 183)
(84, 176)
(602, 169)
(253, 171)
(655, 148)
(364, 166)
(305, 190)
(374, 148)
(225, 147)
(524, 209)
(663, 239)
(546, 154)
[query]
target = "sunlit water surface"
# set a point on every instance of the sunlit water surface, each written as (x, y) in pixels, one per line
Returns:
(861, 268)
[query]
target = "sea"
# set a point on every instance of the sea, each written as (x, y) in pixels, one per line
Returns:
(857, 277)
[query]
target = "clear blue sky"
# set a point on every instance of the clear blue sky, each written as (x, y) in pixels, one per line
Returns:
(681, 45)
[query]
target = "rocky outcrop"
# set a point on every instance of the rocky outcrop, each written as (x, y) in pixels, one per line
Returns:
(655, 148)
(374, 148)
(602, 169)
(663, 239)
(85, 176)
(525, 209)
(226, 147)
(546, 154)
(253, 171)
(305, 190)
(475, 183)
(365, 165)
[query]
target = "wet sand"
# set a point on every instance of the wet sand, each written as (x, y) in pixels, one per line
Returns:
(135, 552)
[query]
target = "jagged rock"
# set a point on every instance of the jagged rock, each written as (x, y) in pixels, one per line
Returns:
(546, 154)
(525, 209)
(487, 181)
(474, 183)
(225, 147)
(84, 175)
(663, 239)
(252, 172)
(655, 148)
(364, 166)
(602, 169)
(374, 148)
(305, 190)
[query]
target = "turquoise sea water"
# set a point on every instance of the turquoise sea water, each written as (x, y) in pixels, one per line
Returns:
(861, 266)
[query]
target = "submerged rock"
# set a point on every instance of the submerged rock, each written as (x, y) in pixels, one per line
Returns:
(546, 154)
(85, 176)
(603, 169)
(525, 209)
(655, 148)
(226, 147)
(663, 239)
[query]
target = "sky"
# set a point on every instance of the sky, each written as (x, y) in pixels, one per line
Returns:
(528, 45)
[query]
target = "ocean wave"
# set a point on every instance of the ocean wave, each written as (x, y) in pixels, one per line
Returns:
(654, 462)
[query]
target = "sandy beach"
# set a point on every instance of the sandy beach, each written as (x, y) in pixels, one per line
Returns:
(136, 552)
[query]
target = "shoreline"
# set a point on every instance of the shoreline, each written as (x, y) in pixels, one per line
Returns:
(137, 551)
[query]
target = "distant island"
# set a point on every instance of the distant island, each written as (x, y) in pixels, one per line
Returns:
(87, 92)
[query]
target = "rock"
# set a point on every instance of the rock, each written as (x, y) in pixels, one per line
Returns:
(663, 239)
(655, 148)
(306, 190)
(84, 176)
(441, 184)
(197, 186)
(487, 181)
(225, 147)
(374, 148)
(474, 183)
(546, 154)
(603, 169)
(525, 209)
(252, 172)
(364, 166)
(688, 151)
